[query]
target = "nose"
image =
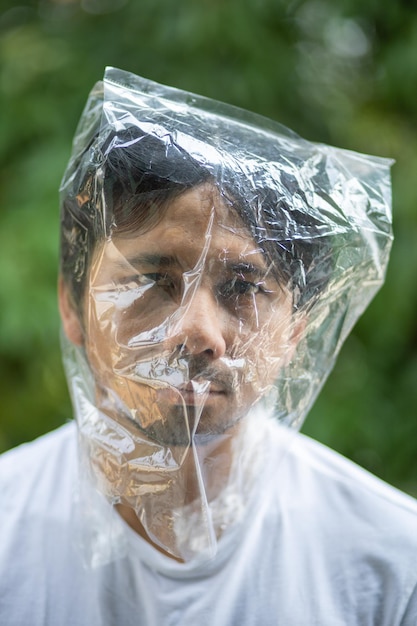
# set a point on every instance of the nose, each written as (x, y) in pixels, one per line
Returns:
(200, 327)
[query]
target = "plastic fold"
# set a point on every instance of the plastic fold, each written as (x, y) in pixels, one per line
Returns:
(215, 262)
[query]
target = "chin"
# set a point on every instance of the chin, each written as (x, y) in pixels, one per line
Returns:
(189, 426)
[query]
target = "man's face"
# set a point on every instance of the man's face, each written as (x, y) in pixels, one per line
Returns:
(186, 327)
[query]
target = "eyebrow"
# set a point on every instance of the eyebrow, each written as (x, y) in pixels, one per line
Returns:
(258, 272)
(154, 260)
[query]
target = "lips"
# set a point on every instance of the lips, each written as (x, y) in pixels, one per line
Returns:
(193, 393)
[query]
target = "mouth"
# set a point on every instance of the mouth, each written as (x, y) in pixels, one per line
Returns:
(194, 393)
(200, 391)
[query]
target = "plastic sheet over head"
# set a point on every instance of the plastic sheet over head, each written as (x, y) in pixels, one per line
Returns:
(215, 262)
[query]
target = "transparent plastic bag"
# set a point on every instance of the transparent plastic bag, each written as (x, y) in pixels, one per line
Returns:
(214, 262)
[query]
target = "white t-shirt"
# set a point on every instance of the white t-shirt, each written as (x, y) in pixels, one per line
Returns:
(324, 543)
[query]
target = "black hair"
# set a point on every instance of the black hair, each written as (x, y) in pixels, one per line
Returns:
(125, 182)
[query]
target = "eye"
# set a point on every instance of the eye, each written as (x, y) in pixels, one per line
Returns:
(160, 279)
(237, 287)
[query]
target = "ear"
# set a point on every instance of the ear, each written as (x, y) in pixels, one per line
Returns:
(70, 317)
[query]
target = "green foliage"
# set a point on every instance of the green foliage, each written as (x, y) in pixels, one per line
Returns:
(341, 73)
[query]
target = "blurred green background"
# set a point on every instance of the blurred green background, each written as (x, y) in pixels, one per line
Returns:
(343, 73)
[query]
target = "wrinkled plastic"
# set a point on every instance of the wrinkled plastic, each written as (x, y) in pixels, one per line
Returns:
(217, 262)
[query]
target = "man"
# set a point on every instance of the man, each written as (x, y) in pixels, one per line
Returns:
(211, 266)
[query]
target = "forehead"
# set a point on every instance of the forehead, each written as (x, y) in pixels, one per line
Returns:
(198, 224)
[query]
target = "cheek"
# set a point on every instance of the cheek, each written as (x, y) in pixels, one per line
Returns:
(115, 333)
(98, 335)
(146, 319)
(272, 348)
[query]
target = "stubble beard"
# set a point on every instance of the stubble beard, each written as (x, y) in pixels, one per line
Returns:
(185, 426)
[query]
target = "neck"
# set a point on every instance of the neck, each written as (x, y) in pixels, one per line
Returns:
(203, 475)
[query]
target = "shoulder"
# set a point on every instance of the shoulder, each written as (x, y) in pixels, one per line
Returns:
(41, 572)
(38, 470)
(344, 498)
(325, 470)
(355, 532)
(49, 442)
(56, 442)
